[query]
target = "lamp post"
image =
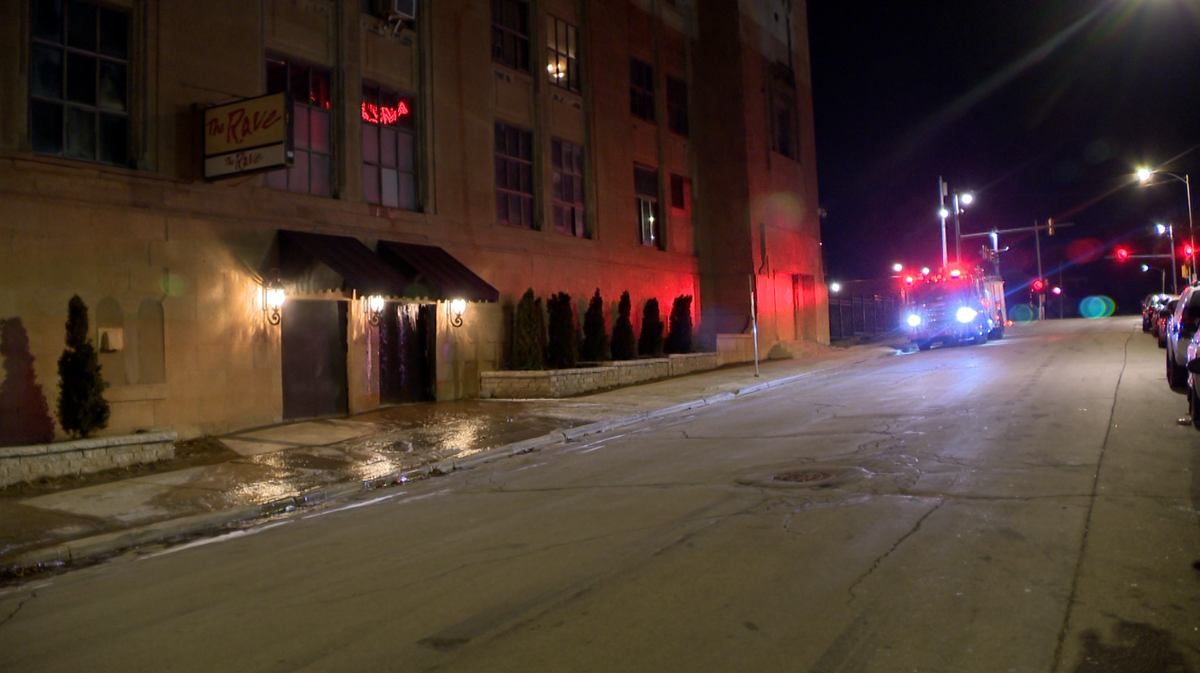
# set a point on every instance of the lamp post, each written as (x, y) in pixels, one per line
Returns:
(1147, 267)
(1144, 175)
(1169, 230)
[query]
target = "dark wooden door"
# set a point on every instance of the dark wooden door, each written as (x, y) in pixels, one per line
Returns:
(314, 359)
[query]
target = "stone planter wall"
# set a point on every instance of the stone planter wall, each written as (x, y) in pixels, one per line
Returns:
(569, 382)
(83, 456)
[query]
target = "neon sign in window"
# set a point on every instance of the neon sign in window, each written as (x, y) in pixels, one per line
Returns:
(385, 115)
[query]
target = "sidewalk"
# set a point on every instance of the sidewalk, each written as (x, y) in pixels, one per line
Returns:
(270, 471)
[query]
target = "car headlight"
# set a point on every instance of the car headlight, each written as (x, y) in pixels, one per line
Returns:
(966, 314)
(913, 320)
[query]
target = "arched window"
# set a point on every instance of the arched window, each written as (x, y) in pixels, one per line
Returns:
(152, 365)
(110, 341)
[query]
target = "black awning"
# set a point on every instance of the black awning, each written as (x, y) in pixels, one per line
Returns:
(443, 276)
(358, 267)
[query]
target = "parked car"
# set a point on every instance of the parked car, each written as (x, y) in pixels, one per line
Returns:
(1160, 321)
(1150, 306)
(1193, 373)
(1181, 327)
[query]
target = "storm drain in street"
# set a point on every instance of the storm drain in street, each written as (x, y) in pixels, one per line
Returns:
(803, 476)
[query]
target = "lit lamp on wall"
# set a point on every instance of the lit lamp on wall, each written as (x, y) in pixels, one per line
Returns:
(455, 310)
(273, 298)
(375, 308)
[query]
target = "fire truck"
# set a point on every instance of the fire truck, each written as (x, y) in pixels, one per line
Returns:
(954, 306)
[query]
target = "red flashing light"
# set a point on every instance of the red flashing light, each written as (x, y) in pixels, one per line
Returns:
(1039, 285)
(1188, 250)
(1122, 254)
(908, 280)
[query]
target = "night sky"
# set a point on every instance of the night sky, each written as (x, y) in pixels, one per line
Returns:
(1041, 108)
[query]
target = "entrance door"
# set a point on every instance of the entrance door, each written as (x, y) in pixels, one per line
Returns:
(407, 350)
(314, 359)
(804, 302)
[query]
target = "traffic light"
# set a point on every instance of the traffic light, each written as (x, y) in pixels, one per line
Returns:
(1039, 285)
(1122, 254)
(1188, 250)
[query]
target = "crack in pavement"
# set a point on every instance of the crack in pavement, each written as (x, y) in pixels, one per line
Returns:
(20, 605)
(916, 527)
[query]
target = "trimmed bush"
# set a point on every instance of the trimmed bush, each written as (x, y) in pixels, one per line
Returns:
(595, 331)
(650, 341)
(81, 406)
(624, 343)
(528, 334)
(679, 339)
(563, 350)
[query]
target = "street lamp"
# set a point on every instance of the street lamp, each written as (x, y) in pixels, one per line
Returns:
(1169, 230)
(1147, 267)
(1144, 175)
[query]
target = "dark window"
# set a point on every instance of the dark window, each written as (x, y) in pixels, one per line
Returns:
(784, 138)
(645, 188)
(389, 148)
(679, 192)
(514, 176)
(79, 82)
(309, 86)
(562, 43)
(641, 89)
(567, 160)
(677, 105)
(510, 33)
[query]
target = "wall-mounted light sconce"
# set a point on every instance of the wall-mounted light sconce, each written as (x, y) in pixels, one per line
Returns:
(274, 297)
(455, 310)
(375, 305)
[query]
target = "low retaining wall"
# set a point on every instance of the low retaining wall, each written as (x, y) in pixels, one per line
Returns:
(569, 382)
(83, 456)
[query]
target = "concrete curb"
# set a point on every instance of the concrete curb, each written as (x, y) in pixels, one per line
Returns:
(74, 551)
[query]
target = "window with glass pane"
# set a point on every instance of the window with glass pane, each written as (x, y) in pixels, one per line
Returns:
(562, 42)
(309, 85)
(514, 176)
(645, 187)
(677, 105)
(641, 89)
(79, 81)
(567, 161)
(510, 33)
(784, 137)
(389, 146)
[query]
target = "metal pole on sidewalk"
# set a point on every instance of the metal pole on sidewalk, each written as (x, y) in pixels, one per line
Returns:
(754, 324)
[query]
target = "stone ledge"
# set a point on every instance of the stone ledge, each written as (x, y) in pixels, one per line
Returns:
(83, 456)
(554, 383)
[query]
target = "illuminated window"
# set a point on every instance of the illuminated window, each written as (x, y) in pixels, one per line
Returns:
(677, 105)
(309, 86)
(784, 139)
(510, 33)
(641, 89)
(79, 81)
(567, 160)
(645, 188)
(389, 148)
(514, 176)
(562, 42)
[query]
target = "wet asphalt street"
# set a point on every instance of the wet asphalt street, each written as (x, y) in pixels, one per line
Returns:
(1025, 505)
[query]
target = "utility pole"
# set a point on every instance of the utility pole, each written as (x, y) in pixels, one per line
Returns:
(942, 215)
